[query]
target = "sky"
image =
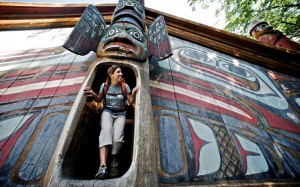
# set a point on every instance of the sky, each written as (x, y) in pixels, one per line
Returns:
(178, 8)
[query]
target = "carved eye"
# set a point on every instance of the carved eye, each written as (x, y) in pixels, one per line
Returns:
(135, 34)
(263, 26)
(121, 4)
(112, 32)
(138, 7)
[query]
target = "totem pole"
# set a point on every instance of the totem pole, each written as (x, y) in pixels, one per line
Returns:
(265, 33)
(128, 43)
(125, 38)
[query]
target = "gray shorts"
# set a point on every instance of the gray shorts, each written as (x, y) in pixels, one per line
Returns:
(112, 131)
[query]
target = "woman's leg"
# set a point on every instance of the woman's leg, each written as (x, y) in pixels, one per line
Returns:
(105, 140)
(103, 154)
(118, 135)
(106, 136)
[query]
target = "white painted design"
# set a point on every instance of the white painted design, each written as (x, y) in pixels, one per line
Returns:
(255, 163)
(209, 157)
(290, 115)
(42, 85)
(297, 100)
(9, 126)
(198, 96)
(267, 94)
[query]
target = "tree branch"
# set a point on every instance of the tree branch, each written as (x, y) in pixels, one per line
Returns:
(285, 6)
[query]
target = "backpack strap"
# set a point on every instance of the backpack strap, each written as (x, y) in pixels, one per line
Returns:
(124, 90)
(105, 88)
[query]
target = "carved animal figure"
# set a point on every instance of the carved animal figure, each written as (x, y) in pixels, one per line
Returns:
(263, 32)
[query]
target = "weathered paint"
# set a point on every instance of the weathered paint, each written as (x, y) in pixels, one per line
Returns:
(242, 124)
(38, 88)
(230, 121)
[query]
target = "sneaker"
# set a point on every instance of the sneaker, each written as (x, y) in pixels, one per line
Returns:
(102, 172)
(114, 170)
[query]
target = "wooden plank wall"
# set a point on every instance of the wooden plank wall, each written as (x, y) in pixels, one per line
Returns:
(218, 119)
(39, 81)
(222, 120)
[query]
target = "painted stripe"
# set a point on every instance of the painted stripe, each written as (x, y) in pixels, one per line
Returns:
(64, 90)
(220, 74)
(38, 79)
(199, 96)
(42, 85)
(191, 80)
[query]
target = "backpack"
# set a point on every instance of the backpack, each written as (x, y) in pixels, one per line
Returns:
(98, 107)
(123, 88)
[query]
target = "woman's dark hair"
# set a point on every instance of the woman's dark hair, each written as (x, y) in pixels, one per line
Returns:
(110, 71)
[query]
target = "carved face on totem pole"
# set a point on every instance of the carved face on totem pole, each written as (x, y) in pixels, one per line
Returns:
(130, 11)
(257, 29)
(125, 38)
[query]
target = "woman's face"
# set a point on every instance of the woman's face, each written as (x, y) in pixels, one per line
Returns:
(117, 75)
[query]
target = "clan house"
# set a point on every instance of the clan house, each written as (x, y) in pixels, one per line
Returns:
(213, 108)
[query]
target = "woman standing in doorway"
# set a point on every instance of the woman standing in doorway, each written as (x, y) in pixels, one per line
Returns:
(112, 118)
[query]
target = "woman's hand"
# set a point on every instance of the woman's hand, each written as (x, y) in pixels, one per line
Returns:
(135, 90)
(131, 97)
(89, 92)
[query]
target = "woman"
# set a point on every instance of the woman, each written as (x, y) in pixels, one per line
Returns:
(112, 118)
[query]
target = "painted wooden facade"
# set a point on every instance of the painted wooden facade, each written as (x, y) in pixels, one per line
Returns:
(225, 111)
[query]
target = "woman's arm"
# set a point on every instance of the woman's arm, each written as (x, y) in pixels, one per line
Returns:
(90, 93)
(131, 97)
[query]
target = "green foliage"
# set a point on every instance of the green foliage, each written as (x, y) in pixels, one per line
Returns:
(283, 15)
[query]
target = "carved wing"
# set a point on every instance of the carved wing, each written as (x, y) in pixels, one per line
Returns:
(87, 33)
(158, 39)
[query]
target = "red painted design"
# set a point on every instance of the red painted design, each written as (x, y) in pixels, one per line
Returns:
(17, 56)
(276, 76)
(244, 153)
(202, 104)
(5, 85)
(191, 80)
(166, 45)
(7, 144)
(39, 70)
(277, 122)
(13, 74)
(219, 74)
(198, 144)
(58, 90)
(63, 90)
(162, 93)
(44, 79)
